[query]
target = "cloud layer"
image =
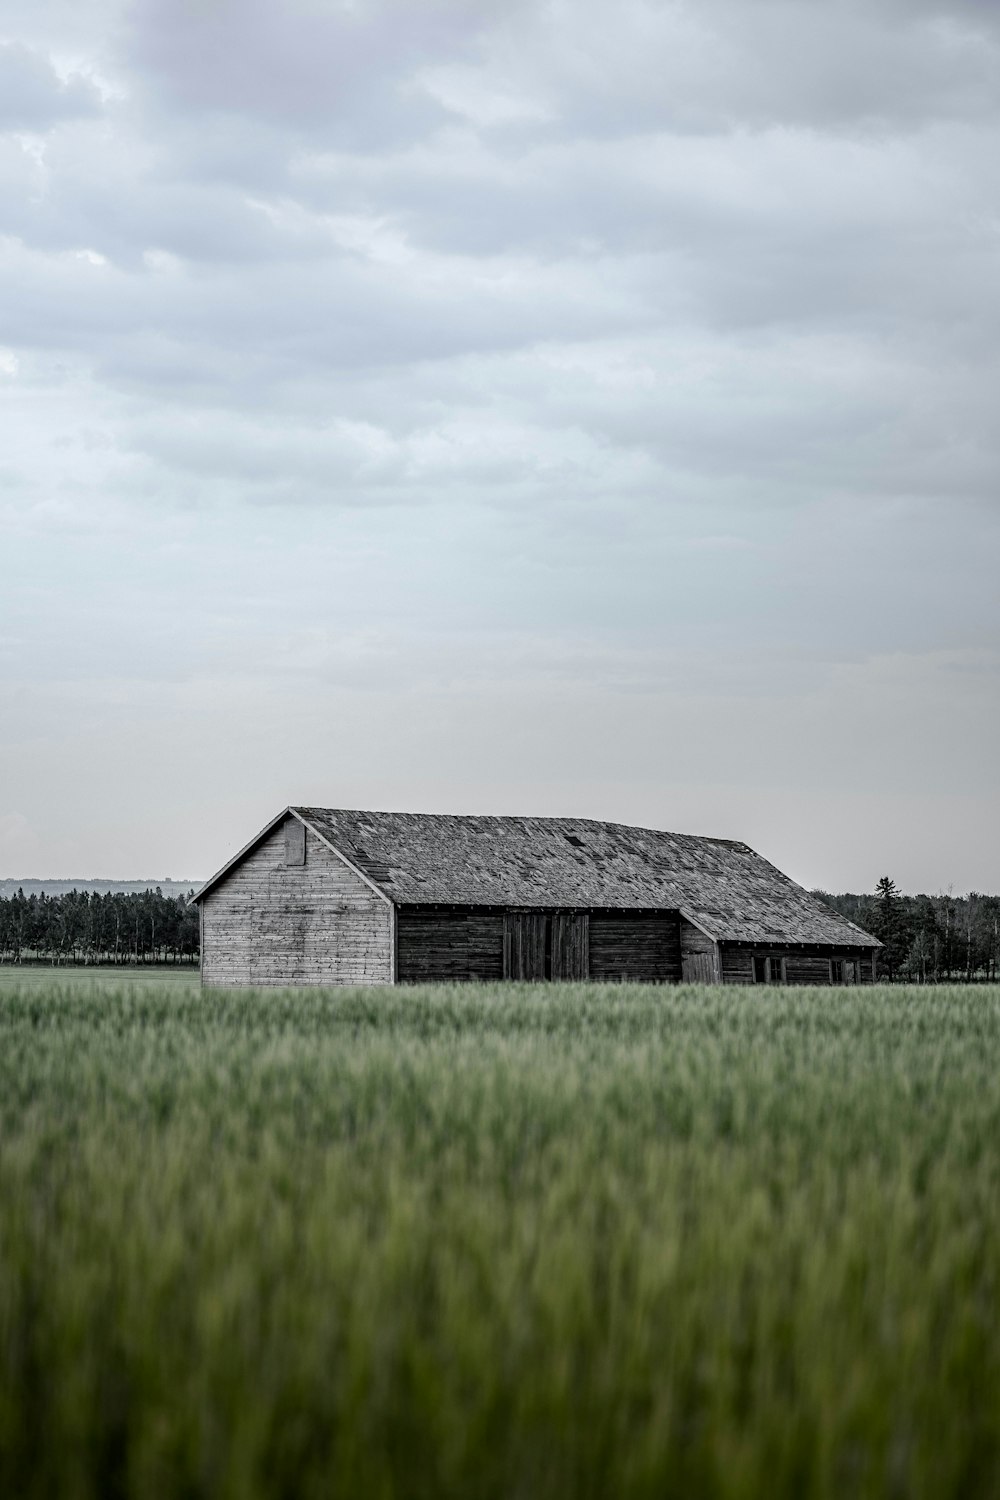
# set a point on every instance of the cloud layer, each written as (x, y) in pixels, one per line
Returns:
(501, 406)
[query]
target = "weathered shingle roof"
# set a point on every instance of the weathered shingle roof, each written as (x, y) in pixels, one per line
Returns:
(725, 887)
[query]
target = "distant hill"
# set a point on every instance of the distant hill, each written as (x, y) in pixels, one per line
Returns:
(33, 887)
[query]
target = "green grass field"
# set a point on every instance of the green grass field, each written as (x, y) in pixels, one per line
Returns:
(498, 1242)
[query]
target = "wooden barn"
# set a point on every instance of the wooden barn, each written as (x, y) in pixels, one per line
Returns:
(326, 896)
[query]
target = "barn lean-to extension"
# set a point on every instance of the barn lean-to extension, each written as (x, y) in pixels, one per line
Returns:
(328, 896)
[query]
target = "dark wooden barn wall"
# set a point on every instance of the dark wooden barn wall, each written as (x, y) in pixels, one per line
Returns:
(569, 945)
(546, 945)
(807, 968)
(803, 964)
(526, 935)
(737, 963)
(642, 946)
(699, 955)
(447, 943)
(466, 943)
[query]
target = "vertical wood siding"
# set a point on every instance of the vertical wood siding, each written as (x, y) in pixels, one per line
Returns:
(546, 945)
(524, 943)
(569, 945)
(271, 923)
(699, 955)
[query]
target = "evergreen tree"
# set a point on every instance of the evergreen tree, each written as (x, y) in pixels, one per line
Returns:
(887, 922)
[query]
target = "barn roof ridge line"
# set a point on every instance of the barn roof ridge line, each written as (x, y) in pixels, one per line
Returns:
(301, 810)
(722, 886)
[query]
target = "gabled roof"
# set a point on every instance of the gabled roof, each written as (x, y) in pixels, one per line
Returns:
(724, 887)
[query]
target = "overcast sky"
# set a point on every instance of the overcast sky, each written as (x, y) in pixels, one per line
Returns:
(501, 406)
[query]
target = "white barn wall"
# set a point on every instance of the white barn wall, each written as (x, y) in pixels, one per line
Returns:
(268, 923)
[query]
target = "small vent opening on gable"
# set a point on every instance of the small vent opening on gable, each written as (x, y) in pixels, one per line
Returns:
(571, 838)
(295, 842)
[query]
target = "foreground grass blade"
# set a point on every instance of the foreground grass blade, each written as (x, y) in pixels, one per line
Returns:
(499, 1241)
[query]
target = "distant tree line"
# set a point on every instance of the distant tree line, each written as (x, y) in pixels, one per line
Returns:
(84, 927)
(927, 939)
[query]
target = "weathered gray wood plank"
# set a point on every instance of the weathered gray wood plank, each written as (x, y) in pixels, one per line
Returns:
(272, 923)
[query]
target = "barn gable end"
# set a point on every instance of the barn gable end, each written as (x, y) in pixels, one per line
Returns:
(291, 911)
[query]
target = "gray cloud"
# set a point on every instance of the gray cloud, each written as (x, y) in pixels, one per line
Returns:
(33, 96)
(599, 399)
(344, 70)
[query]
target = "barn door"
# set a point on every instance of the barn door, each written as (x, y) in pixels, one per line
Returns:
(697, 968)
(524, 945)
(570, 945)
(539, 946)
